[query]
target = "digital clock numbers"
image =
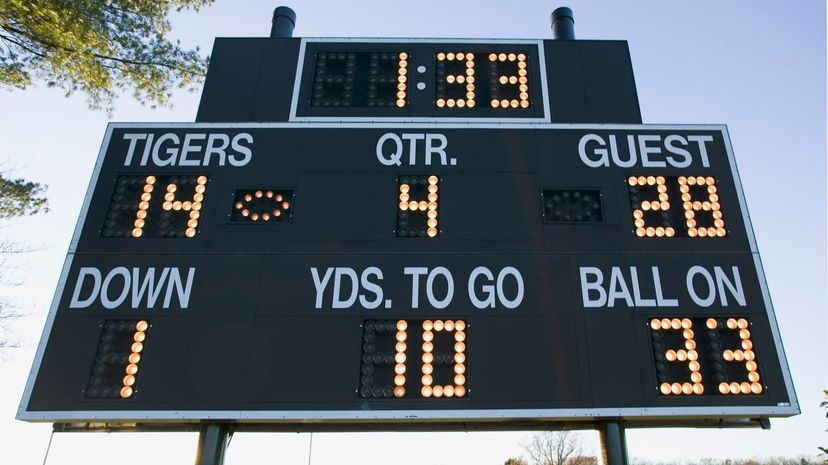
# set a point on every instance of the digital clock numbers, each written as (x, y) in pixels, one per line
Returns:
(421, 80)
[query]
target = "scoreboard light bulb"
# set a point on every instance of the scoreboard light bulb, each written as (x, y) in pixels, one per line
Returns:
(131, 369)
(495, 103)
(426, 391)
(402, 325)
(129, 380)
(428, 369)
(756, 388)
(399, 368)
(665, 389)
(448, 325)
(401, 346)
(441, 103)
(459, 380)
(441, 56)
(139, 336)
(450, 103)
(126, 392)
(690, 344)
(437, 391)
(640, 232)
(686, 388)
(675, 388)
(399, 391)
(696, 377)
(399, 357)
(134, 358)
(671, 355)
(428, 347)
(694, 365)
(504, 103)
(459, 336)
(734, 388)
(450, 56)
(428, 336)
(724, 388)
(171, 188)
(428, 357)
(459, 368)
(401, 336)
(459, 391)
(460, 358)
(438, 325)
(448, 390)
(746, 344)
(137, 347)
(461, 103)
(501, 57)
(751, 365)
(428, 325)
(655, 324)
(753, 376)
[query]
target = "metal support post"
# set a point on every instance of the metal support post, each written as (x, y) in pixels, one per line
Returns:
(212, 443)
(612, 443)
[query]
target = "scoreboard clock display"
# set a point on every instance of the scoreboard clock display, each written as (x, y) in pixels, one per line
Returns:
(355, 273)
(421, 79)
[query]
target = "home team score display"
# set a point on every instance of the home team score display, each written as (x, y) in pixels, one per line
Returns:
(378, 272)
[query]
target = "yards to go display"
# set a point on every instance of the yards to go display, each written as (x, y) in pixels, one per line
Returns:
(413, 359)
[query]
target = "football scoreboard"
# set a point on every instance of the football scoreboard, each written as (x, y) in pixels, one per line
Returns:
(419, 242)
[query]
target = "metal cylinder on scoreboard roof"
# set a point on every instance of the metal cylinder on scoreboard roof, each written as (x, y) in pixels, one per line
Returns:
(284, 20)
(563, 24)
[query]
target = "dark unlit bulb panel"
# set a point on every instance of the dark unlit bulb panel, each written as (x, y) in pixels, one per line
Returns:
(360, 79)
(572, 206)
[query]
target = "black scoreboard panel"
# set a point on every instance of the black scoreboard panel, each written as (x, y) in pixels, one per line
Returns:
(360, 273)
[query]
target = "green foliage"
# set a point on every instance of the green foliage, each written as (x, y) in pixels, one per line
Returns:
(98, 47)
(19, 197)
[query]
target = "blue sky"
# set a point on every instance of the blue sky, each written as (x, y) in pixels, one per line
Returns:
(757, 66)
